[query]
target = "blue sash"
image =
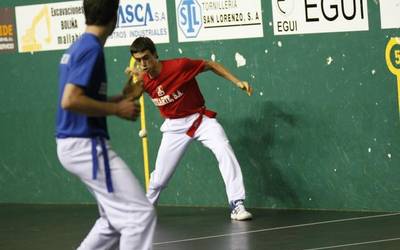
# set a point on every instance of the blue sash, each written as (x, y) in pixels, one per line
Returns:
(107, 170)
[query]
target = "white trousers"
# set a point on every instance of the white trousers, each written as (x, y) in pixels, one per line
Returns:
(127, 219)
(175, 142)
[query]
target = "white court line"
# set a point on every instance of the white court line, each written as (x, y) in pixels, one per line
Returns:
(354, 244)
(276, 228)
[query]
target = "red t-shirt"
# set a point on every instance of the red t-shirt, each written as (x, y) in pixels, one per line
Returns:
(175, 90)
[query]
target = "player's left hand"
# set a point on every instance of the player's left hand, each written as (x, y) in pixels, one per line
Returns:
(245, 86)
(133, 71)
(128, 71)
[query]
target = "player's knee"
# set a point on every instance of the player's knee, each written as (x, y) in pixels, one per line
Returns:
(157, 185)
(140, 219)
(152, 212)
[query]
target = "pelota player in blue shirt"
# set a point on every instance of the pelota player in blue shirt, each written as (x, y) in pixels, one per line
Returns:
(127, 219)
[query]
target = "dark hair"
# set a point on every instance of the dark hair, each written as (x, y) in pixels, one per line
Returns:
(100, 12)
(142, 44)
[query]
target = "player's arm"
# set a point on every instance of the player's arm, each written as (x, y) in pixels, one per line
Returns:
(131, 88)
(115, 98)
(125, 93)
(220, 70)
(134, 85)
(74, 99)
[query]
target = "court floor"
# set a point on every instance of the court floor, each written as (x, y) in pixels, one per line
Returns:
(59, 227)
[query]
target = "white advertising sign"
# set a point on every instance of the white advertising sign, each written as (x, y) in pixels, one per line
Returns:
(390, 14)
(319, 16)
(140, 18)
(204, 20)
(56, 26)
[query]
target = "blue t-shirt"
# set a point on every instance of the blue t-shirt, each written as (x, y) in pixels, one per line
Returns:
(82, 65)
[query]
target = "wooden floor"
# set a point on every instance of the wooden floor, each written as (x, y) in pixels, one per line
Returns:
(59, 227)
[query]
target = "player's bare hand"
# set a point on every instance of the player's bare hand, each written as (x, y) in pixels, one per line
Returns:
(245, 86)
(129, 71)
(133, 71)
(128, 109)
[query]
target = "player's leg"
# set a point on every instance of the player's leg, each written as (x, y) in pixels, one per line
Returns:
(102, 236)
(213, 136)
(127, 216)
(75, 156)
(133, 219)
(171, 149)
(127, 208)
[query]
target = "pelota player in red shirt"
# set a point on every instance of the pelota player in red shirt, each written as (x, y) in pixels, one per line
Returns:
(172, 86)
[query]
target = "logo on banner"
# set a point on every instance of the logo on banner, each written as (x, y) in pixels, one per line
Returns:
(285, 6)
(189, 17)
(318, 16)
(7, 30)
(30, 40)
(331, 12)
(135, 15)
(140, 18)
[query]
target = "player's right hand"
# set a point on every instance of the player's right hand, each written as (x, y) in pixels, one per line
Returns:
(246, 87)
(128, 109)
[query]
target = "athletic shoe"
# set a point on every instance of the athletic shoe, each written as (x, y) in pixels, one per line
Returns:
(239, 211)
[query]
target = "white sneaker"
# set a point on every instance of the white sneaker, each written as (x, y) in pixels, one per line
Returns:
(239, 211)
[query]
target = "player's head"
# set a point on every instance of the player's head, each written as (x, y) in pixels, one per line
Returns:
(141, 44)
(101, 12)
(145, 53)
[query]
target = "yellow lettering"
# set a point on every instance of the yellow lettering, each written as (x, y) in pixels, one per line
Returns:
(397, 56)
(6, 30)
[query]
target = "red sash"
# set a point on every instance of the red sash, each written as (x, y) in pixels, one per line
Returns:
(197, 122)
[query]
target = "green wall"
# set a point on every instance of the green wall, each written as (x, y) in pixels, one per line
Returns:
(314, 135)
